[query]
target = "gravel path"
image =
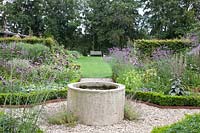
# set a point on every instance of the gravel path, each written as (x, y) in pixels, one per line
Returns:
(149, 118)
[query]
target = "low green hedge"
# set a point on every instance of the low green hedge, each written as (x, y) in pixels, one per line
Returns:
(32, 40)
(190, 124)
(42, 96)
(165, 100)
(32, 97)
(146, 47)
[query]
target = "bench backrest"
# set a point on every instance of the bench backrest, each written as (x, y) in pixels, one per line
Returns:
(96, 53)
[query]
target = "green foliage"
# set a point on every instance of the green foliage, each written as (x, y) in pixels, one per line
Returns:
(2, 17)
(75, 54)
(36, 52)
(129, 112)
(10, 124)
(32, 40)
(44, 18)
(132, 80)
(190, 124)
(165, 100)
(33, 51)
(62, 117)
(170, 19)
(54, 73)
(7, 123)
(177, 87)
(192, 80)
(34, 97)
(28, 67)
(163, 71)
(119, 68)
(110, 22)
(146, 47)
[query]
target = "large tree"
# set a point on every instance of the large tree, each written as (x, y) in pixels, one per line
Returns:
(62, 20)
(57, 18)
(111, 22)
(171, 18)
(26, 16)
(2, 15)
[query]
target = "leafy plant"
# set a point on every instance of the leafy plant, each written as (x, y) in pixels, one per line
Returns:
(190, 124)
(62, 117)
(177, 88)
(132, 80)
(10, 124)
(147, 47)
(129, 112)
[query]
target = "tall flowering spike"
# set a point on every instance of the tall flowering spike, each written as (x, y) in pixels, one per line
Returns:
(161, 52)
(123, 55)
(195, 51)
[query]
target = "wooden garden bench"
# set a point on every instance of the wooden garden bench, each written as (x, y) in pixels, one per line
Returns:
(95, 53)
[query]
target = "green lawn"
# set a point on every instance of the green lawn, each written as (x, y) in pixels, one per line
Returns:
(94, 67)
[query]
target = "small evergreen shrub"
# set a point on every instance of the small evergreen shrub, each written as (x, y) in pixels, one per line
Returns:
(147, 47)
(129, 112)
(62, 118)
(190, 124)
(132, 80)
(164, 100)
(32, 40)
(10, 124)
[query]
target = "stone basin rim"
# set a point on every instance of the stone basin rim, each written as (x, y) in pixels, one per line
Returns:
(119, 87)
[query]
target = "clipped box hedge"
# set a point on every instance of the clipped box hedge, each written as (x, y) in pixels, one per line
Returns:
(32, 40)
(151, 97)
(165, 100)
(32, 97)
(147, 47)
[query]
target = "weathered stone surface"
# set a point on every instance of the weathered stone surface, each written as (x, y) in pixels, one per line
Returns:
(94, 106)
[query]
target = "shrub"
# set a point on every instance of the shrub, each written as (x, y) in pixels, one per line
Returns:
(129, 112)
(18, 65)
(164, 100)
(166, 69)
(32, 40)
(132, 80)
(177, 88)
(190, 124)
(146, 47)
(34, 97)
(75, 54)
(62, 117)
(58, 74)
(10, 124)
(36, 52)
(121, 60)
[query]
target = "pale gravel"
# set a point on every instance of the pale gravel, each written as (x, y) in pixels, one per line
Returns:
(149, 117)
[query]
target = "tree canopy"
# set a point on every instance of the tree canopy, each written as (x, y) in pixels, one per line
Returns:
(100, 24)
(171, 18)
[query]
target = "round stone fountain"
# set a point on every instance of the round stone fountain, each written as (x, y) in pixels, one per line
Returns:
(96, 103)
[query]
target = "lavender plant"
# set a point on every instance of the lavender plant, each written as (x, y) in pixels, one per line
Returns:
(25, 68)
(161, 53)
(125, 56)
(121, 60)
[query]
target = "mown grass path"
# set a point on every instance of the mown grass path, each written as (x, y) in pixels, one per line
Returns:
(94, 67)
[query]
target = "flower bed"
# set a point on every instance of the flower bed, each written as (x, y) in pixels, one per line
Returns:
(34, 73)
(168, 76)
